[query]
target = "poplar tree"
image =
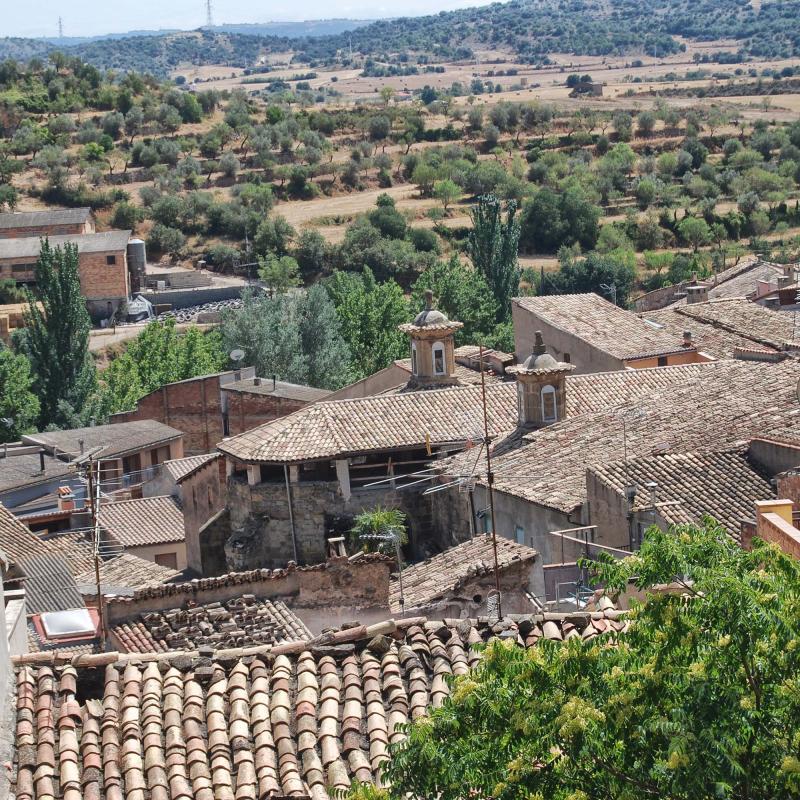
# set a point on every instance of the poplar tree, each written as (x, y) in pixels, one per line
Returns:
(56, 339)
(493, 248)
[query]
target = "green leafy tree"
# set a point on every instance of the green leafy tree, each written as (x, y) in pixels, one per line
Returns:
(695, 232)
(697, 700)
(19, 406)
(593, 273)
(446, 192)
(294, 336)
(279, 274)
(493, 248)
(56, 338)
(369, 313)
(462, 294)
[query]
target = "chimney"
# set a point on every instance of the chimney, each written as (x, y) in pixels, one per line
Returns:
(784, 280)
(256, 381)
(697, 294)
(41, 461)
(687, 338)
(66, 499)
(81, 445)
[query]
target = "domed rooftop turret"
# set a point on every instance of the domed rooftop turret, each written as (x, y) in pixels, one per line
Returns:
(433, 361)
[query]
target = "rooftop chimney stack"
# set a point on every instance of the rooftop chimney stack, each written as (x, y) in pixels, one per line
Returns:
(256, 381)
(687, 338)
(41, 461)
(697, 294)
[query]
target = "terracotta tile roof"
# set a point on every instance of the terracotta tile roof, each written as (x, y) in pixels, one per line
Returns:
(439, 577)
(138, 523)
(299, 719)
(715, 341)
(182, 468)
(16, 541)
(741, 280)
(727, 403)
(465, 375)
(280, 389)
(119, 439)
(722, 484)
(125, 572)
(338, 428)
(598, 391)
(240, 622)
(601, 324)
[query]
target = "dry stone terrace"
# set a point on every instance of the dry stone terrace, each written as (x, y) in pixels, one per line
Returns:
(300, 719)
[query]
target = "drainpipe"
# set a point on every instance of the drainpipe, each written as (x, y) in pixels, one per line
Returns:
(291, 513)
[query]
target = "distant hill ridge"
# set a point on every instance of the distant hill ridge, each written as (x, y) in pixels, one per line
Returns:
(526, 29)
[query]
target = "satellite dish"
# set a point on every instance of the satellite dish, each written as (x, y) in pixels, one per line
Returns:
(237, 355)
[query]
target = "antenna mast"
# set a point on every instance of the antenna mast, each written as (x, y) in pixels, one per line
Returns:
(209, 15)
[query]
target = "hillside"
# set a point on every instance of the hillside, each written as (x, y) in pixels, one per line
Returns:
(527, 29)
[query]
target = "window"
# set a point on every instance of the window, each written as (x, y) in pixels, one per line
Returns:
(413, 358)
(662, 361)
(519, 532)
(549, 410)
(111, 260)
(567, 358)
(438, 359)
(521, 402)
(169, 560)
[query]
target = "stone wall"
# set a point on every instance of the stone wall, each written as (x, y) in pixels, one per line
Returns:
(203, 497)
(261, 527)
(358, 583)
(211, 538)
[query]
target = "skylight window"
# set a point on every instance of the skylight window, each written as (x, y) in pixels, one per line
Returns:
(74, 622)
(657, 325)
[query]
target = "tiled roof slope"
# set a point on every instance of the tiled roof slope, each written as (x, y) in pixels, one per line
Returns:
(465, 375)
(300, 719)
(118, 440)
(741, 280)
(240, 622)
(338, 428)
(601, 324)
(598, 391)
(690, 485)
(138, 523)
(16, 541)
(723, 406)
(761, 325)
(29, 246)
(707, 338)
(125, 572)
(182, 468)
(50, 216)
(435, 578)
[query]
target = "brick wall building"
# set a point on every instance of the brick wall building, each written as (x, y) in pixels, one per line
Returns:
(103, 265)
(210, 407)
(53, 222)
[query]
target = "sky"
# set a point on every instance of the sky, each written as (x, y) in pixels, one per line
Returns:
(93, 17)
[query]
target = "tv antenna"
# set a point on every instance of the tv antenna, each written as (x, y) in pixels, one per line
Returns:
(209, 15)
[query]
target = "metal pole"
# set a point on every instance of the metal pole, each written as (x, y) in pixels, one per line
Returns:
(396, 537)
(490, 483)
(94, 494)
(291, 514)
